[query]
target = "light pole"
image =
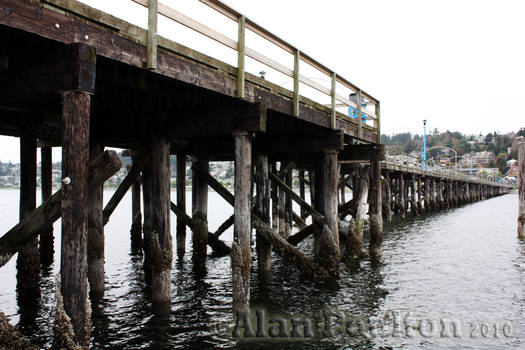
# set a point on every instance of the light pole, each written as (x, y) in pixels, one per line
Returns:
(424, 144)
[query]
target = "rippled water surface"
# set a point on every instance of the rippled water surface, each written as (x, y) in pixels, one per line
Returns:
(461, 268)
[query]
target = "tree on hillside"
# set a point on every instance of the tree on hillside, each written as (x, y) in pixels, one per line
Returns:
(501, 163)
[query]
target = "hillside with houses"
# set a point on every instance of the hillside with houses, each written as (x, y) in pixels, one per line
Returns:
(489, 155)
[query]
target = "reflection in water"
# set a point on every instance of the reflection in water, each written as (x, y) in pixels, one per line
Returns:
(462, 263)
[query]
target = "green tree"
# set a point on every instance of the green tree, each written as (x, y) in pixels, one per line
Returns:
(501, 163)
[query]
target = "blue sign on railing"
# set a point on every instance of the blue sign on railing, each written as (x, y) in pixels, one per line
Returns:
(352, 113)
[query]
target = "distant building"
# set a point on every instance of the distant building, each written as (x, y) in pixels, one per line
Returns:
(514, 171)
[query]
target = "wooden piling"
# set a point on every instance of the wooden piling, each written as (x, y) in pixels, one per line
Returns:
(521, 190)
(282, 204)
(28, 261)
(158, 250)
(241, 256)
(302, 191)
(274, 194)
(375, 210)
(427, 194)
(95, 247)
(419, 194)
(73, 264)
(331, 177)
(181, 203)
(401, 196)
(354, 244)
(263, 246)
(200, 216)
(387, 199)
(136, 212)
(414, 206)
(311, 179)
(288, 213)
(47, 248)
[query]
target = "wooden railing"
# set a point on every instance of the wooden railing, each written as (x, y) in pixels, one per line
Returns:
(331, 86)
(397, 160)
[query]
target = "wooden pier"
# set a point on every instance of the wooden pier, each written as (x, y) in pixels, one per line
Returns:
(78, 78)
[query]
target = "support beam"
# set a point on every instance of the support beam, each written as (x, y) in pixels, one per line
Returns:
(302, 191)
(214, 242)
(28, 262)
(288, 212)
(401, 196)
(375, 209)
(387, 200)
(427, 203)
(301, 235)
(48, 212)
(274, 194)
(241, 256)
(224, 226)
(521, 191)
(330, 184)
(124, 186)
(262, 210)
(73, 264)
(288, 251)
(158, 252)
(200, 216)
(414, 207)
(354, 243)
(95, 246)
(279, 244)
(47, 248)
(136, 212)
(181, 203)
(419, 194)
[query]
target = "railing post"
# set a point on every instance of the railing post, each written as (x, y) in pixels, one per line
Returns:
(378, 122)
(359, 122)
(297, 57)
(152, 35)
(332, 110)
(240, 57)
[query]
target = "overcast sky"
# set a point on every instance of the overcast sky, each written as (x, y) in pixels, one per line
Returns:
(460, 64)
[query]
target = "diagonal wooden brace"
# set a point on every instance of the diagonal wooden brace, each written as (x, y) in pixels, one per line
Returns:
(100, 169)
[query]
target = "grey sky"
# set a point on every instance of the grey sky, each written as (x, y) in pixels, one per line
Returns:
(457, 63)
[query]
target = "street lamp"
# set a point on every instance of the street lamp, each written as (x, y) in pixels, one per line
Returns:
(424, 144)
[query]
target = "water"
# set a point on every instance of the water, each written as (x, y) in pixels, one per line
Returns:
(461, 267)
